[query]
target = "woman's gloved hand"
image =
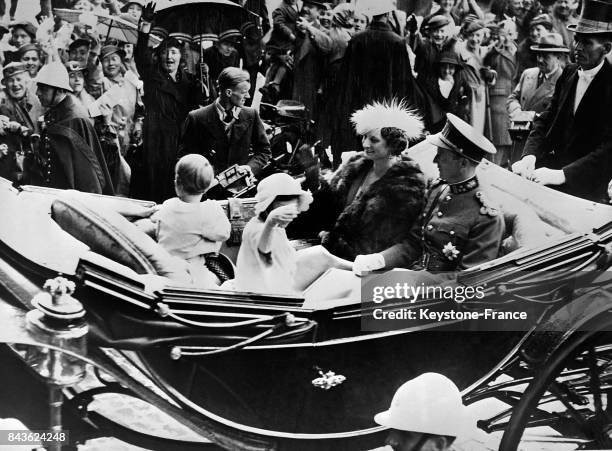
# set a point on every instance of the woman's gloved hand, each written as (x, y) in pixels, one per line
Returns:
(366, 263)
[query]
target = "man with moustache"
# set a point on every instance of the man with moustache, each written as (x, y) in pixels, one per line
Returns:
(70, 153)
(570, 146)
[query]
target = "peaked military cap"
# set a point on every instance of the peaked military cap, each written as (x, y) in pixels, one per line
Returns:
(460, 137)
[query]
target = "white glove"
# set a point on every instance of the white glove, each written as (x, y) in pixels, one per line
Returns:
(370, 262)
(525, 166)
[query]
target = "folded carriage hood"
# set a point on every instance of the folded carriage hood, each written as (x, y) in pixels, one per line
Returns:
(28, 229)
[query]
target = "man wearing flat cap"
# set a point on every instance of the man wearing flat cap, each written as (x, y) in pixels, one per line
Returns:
(570, 146)
(537, 84)
(460, 227)
(19, 113)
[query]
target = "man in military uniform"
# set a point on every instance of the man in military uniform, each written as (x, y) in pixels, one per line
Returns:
(459, 227)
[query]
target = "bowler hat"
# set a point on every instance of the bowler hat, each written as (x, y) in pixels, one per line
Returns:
(437, 21)
(595, 18)
(552, 43)
(13, 69)
(542, 19)
(460, 137)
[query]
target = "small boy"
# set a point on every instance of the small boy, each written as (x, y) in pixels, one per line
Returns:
(187, 227)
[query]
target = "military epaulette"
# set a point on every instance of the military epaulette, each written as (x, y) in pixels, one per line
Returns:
(487, 207)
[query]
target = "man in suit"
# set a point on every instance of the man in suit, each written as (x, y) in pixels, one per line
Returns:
(227, 132)
(537, 84)
(571, 142)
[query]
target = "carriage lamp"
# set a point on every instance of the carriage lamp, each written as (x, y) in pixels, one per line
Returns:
(58, 319)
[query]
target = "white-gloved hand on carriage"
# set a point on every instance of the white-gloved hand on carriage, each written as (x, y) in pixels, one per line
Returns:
(525, 166)
(366, 263)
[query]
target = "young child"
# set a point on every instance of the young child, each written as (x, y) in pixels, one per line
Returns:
(266, 260)
(187, 227)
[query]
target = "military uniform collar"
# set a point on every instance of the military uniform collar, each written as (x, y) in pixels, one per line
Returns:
(465, 186)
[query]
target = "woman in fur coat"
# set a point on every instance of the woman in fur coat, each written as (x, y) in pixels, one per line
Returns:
(371, 201)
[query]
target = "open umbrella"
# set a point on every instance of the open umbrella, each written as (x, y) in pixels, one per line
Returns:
(200, 19)
(117, 28)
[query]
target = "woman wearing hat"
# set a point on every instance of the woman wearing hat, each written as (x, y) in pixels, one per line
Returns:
(126, 93)
(32, 56)
(472, 52)
(427, 49)
(77, 74)
(447, 92)
(170, 93)
(133, 8)
(365, 206)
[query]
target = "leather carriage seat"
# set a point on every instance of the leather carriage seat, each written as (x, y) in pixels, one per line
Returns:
(525, 229)
(109, 234)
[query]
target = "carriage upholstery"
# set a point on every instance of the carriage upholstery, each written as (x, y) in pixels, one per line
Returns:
(110, 234)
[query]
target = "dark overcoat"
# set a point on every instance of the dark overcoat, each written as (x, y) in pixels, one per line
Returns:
(580, 143)
(376, 67)
(167, 103)
(246, 143)
(72, 150)
(374, 221)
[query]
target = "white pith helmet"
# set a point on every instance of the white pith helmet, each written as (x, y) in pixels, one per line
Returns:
(430, 404)
(55, 75)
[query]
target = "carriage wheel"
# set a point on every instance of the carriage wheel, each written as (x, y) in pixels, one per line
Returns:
(571, 397)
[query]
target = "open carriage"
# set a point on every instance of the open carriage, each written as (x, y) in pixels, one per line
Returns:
(255, 371)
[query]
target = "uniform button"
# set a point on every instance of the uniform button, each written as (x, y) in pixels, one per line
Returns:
(452, 232)
(448, 198)
(429, 227)
(424, 215)
(439, 214)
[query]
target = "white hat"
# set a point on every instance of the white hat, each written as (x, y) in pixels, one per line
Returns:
(430, 404)
(375, 7)
(280, 184)
(392, 113)
(54, 74)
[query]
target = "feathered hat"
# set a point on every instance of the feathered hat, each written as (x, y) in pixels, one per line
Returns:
(388, 114)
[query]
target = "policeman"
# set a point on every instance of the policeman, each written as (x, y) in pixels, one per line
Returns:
(459, 227)
(426, 413)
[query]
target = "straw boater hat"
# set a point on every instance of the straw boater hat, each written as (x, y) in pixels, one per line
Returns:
(551, 43)
(596, 18)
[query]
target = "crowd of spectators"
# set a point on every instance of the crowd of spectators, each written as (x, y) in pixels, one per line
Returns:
(487, 64)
